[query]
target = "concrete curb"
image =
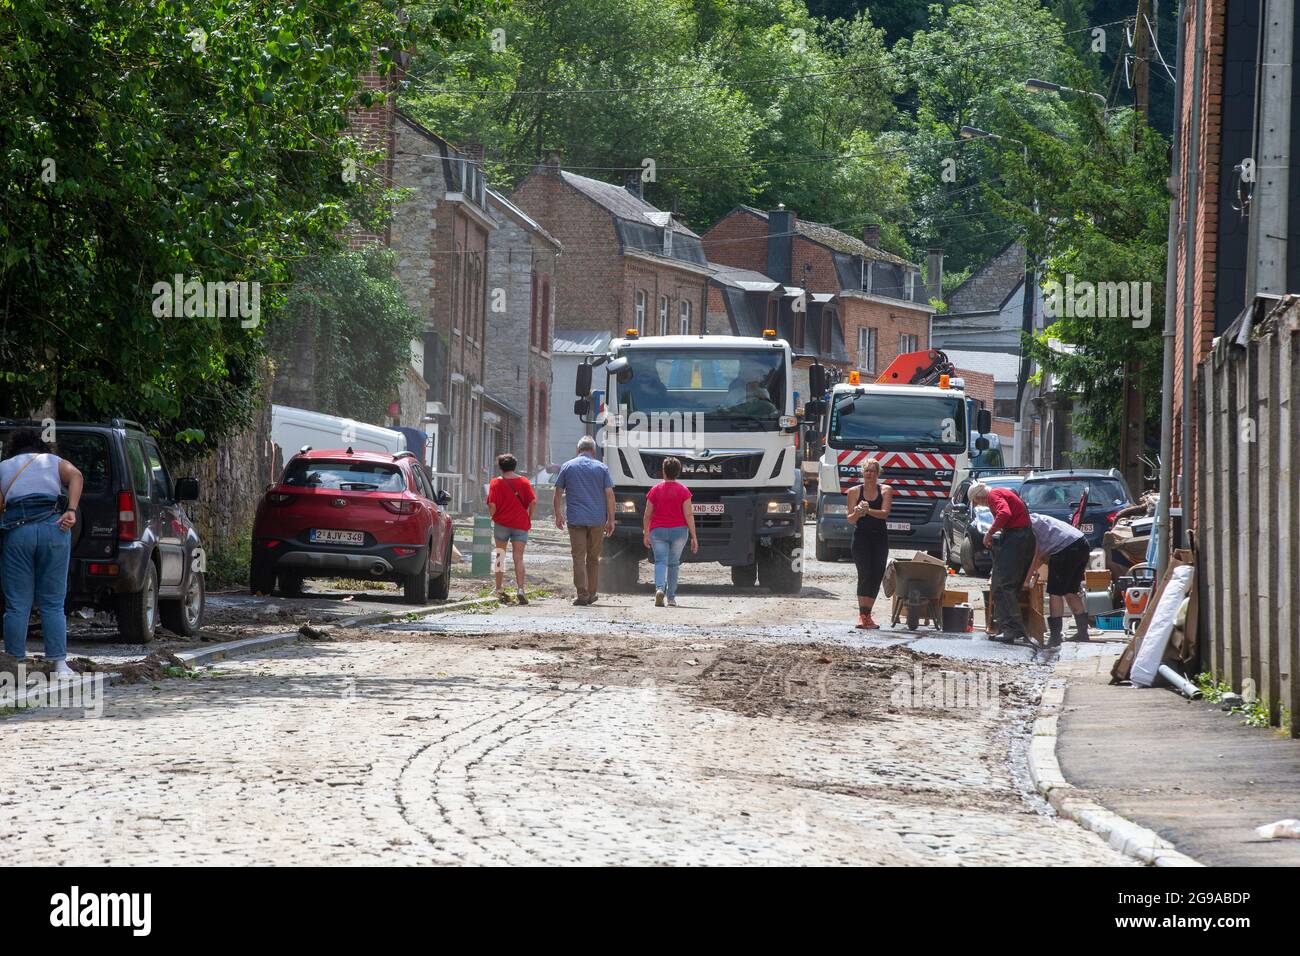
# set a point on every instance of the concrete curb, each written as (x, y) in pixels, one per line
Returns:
(1045, 771)
(216, 652)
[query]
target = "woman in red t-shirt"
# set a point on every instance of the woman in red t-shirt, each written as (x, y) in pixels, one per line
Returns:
(511, 502)
(667, 524)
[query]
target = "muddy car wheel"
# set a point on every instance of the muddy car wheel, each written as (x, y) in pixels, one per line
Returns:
(261, 576)
(137, 614)
(967, 557)
(415, 587)
(185, 617)
(440, 586)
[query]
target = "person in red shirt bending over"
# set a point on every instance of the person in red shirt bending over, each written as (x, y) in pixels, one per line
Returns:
(1013, 558)
(511, 502)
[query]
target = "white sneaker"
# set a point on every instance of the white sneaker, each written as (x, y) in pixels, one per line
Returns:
(62, 670)
(659, 599)
(672, 602)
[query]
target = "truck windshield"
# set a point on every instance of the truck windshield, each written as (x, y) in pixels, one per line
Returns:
(734, 389)
(882, 420)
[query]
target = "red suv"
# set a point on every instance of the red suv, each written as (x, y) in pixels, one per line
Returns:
(353, 514)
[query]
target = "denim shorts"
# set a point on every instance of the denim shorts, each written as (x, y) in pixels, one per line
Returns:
(504, 535)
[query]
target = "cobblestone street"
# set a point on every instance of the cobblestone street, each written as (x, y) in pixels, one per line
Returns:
(735, 728)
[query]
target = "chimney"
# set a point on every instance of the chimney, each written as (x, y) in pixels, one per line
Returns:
(473, 152)
(780, 243)
(551, 163)
(934, 274)
(871, 235)
(632, 183)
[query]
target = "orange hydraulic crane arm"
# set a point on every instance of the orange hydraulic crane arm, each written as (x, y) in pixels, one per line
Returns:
(916, 368)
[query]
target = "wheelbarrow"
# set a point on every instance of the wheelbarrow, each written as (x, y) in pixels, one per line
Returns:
(918, 592)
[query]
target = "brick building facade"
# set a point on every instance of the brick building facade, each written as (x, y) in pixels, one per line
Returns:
(626, 264)
(862, 305)
(522, 262)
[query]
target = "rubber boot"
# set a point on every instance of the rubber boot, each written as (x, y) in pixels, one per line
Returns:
(1054, 625)
(1080, 627)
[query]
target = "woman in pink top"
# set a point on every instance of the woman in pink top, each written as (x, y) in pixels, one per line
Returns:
(667, 524)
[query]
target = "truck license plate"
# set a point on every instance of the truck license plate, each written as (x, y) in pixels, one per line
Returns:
(328, 536)
(707, 509)
(898, 525)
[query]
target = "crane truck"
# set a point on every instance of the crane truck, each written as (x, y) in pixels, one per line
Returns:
(918, 421)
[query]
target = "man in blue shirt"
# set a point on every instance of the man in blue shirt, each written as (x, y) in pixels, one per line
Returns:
(588, 507)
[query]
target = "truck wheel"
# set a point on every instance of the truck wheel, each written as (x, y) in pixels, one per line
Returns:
(744, 575)
(618, 572)
(967, 556)
(824, 551)
(780, 571)
(137, 614)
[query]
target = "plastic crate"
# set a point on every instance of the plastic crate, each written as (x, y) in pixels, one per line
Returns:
(1110, 622)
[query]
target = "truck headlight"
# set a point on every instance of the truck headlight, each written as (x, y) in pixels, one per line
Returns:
(835, 509)
(779, 507)
(626, 507)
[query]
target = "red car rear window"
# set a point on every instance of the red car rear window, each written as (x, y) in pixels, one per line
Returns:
(344, 475)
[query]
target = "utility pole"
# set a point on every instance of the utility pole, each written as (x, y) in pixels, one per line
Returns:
(1132, 441)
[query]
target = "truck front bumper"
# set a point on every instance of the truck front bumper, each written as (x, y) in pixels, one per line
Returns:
(835, 530)
(749, 520)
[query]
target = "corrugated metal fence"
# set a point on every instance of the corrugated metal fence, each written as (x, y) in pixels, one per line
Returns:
(1248, 515)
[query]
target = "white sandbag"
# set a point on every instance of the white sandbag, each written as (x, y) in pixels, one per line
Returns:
(1151, 651)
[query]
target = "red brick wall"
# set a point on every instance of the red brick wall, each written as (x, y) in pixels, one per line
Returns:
(1205, 252)
(738, 239)
(596, 284)
(373, 128)
(979, 385)
(889, 321)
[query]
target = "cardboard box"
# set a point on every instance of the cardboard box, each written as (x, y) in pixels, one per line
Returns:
(1096, 580)
(952, 598)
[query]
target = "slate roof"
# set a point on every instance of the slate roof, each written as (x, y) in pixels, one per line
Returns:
(833, 238)
(622, 203)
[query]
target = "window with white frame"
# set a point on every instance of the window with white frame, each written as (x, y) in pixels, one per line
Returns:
(908, 343)
(639, 323)
(663, 315)
(684, 322)
(867, 349)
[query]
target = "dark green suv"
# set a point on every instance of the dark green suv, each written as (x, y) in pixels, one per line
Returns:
(135, 552)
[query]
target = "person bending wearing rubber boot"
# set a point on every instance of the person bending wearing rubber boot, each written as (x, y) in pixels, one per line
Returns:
(1066, 550)
(1014, 558)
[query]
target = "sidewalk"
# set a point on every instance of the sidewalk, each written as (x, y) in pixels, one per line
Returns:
(1184, 769)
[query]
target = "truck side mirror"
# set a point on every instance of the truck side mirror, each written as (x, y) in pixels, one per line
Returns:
(984, 423)
(816, 378)
(981, 444)
(582, 386)
(620, 369)
(582, 406)
(814, 409)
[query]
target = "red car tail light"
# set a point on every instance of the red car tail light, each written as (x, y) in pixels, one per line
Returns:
(126, 522)
(399, 506)
(403, 552)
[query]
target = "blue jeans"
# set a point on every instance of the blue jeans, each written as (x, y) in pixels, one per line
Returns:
(34, 566)
(667, 544)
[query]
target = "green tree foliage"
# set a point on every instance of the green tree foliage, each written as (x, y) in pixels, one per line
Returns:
(143, 141)
(734, 101)
(351, 308)
(1100, 216)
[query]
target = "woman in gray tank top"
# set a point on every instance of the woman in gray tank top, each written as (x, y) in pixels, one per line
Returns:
(36, 543)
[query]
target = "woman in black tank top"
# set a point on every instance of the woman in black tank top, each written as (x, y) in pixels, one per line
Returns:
(868, 511)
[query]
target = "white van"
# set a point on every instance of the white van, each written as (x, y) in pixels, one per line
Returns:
(291, 428)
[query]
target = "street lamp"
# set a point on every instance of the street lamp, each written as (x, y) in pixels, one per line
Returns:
(1046, 86)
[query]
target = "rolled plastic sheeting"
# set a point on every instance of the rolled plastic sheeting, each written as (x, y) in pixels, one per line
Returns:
(1188, 689)
(1152, 649)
